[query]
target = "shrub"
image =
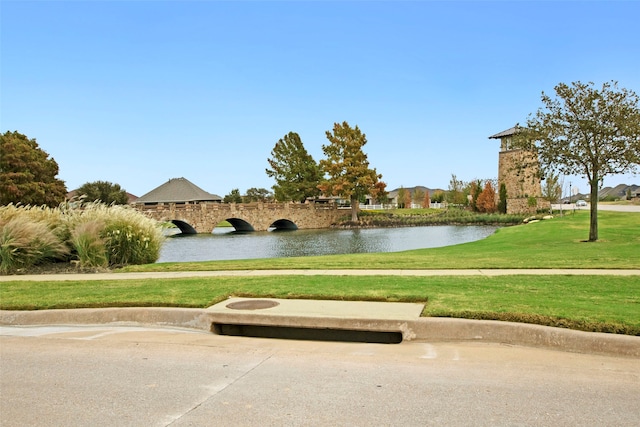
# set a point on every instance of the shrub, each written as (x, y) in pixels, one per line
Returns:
(24, 243)
(97, 234)
(89, 245)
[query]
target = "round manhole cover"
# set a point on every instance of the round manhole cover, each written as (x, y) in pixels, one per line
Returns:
(257, 304)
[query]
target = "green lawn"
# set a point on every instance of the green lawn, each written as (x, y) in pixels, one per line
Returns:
(556, 243)
(593, 303)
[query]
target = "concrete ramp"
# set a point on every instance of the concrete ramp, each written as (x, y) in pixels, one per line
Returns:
(381, 322)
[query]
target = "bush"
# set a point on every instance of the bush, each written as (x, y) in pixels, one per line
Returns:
(24, 242)
(95, 234)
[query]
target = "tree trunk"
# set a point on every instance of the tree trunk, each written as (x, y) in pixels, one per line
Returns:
(354, 209)
(593, 202)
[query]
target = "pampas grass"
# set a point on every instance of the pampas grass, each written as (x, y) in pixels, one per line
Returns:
(94, 234)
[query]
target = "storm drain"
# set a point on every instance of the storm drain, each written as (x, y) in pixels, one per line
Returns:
(312, 334)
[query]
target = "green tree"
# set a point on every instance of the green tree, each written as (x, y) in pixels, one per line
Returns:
(438, 196)
(502, 199)
(475, 189)
(347, 167)
(296, 174)
(455, 193)
(402, 197)
(257, 195)
(552, 188)
(27, 173)
(233, 197)
(104, 191)
(586, 131)
(418, 196)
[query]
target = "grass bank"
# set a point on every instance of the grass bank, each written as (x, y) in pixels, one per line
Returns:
(590, 303)
(556, 243)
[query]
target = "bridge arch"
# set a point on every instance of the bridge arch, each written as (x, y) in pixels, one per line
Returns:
(240, 224)
(185, 228)
(283, 224)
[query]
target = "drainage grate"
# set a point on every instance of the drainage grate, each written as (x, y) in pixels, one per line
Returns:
(313, 334)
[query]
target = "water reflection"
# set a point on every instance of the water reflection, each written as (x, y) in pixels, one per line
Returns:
(226, 244)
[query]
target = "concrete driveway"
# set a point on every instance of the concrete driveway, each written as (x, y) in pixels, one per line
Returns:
(147, 376)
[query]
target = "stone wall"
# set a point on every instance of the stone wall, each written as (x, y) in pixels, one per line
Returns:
(519, 171)
(521, 205)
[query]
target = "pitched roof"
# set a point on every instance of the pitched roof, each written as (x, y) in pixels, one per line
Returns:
(504, 133)
(178, 190)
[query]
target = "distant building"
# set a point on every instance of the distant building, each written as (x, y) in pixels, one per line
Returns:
(519, 171)
(177, 190)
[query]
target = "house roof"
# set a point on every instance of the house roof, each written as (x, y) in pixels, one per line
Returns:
(504, 133)
(178, 190)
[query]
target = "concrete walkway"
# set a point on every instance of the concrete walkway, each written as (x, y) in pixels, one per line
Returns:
(422, 273)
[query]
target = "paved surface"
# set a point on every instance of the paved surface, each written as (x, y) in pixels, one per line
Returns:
(126, 376)
(425, 273)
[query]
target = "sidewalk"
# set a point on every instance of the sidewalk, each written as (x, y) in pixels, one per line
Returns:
(424, 273)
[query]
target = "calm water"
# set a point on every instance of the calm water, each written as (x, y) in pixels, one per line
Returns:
(232, 245)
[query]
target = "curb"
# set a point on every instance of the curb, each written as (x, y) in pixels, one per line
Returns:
(421, 329)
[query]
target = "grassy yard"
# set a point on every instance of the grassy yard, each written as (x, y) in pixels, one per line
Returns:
(593, 303)
(556, 243)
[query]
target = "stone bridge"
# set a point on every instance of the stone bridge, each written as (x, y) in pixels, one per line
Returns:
(202, 217)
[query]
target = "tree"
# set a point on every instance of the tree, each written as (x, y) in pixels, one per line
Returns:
(297, 175)
(27, 174)
(438, 196)
(257, 195)
(233, 197)
(552, 188)
(475, 188)
(418, 196)
(455, 194)
(402, 197)
(588, 132)
(347, 167)
(487, 199)
(502, 199)
(426, 201)
(104, 191)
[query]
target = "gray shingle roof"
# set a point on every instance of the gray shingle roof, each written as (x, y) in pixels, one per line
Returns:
(504, 133)
(178, 190)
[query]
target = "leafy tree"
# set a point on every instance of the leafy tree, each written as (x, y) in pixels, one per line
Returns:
(487, 199)
(381, 194)
(475, 188)
(233, 197)
(502, 199)
(257, 195)
(297, 175)
(438, 196)
(27, 174)
(552, 188)
(588, 132)
(455, 194)
(418, 196)
(347, 167)
(402, 197)
(104, 191)
(426, 201)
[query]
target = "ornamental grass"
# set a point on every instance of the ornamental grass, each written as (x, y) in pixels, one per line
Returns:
(91, 234)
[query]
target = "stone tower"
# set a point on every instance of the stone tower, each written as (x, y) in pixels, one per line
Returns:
(518, 170)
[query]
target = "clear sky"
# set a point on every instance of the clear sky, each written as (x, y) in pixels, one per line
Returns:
(138, 92)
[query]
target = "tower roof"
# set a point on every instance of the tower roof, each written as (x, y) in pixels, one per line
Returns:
(504, 133)
(178, 190)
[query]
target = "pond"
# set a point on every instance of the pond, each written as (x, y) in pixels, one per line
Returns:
(226, 244)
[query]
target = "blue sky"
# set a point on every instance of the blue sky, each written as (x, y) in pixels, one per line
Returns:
(138, 92)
